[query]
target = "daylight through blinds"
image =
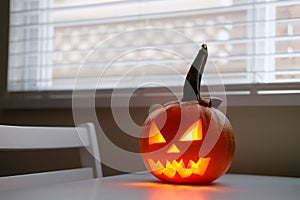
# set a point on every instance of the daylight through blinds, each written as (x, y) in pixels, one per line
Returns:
(52, 43)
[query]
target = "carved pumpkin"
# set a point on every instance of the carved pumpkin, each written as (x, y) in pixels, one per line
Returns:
(189, 141)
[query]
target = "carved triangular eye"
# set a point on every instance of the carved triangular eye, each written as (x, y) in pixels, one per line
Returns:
(193, 133)
(155, 135)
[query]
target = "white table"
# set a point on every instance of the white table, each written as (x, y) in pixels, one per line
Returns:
(144, 186)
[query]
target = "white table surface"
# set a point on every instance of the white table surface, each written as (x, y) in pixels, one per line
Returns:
(144, 186)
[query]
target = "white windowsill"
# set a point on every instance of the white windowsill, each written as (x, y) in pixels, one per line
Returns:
(286, 94)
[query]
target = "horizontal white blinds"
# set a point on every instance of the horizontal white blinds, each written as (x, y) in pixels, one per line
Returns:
(105, 44)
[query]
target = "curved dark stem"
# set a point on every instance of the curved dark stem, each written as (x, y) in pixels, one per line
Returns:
(191, 88)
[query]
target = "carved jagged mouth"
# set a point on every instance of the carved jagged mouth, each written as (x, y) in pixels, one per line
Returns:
(170, 168)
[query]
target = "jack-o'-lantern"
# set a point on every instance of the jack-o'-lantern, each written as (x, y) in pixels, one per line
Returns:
(188, 141)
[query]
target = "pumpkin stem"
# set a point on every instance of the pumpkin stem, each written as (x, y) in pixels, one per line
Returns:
(191, 88)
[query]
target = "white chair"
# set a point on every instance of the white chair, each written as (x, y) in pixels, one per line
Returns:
(24, 138)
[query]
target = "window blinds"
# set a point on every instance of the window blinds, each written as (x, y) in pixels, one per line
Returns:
(125, 43)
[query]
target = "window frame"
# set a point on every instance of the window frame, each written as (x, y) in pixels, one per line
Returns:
(4, 42)
(145, 97)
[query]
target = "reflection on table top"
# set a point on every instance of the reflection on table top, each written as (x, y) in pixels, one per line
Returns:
(144, 186)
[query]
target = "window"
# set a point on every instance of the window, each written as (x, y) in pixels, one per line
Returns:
(56, 42)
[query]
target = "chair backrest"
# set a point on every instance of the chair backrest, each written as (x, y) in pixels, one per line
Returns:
(31, 138)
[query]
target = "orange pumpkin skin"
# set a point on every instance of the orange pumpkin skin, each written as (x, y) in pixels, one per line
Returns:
(169, 126)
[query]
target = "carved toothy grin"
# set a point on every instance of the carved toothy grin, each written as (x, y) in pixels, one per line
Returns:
(171, 168)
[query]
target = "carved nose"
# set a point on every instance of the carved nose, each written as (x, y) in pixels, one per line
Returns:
(173, 149)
